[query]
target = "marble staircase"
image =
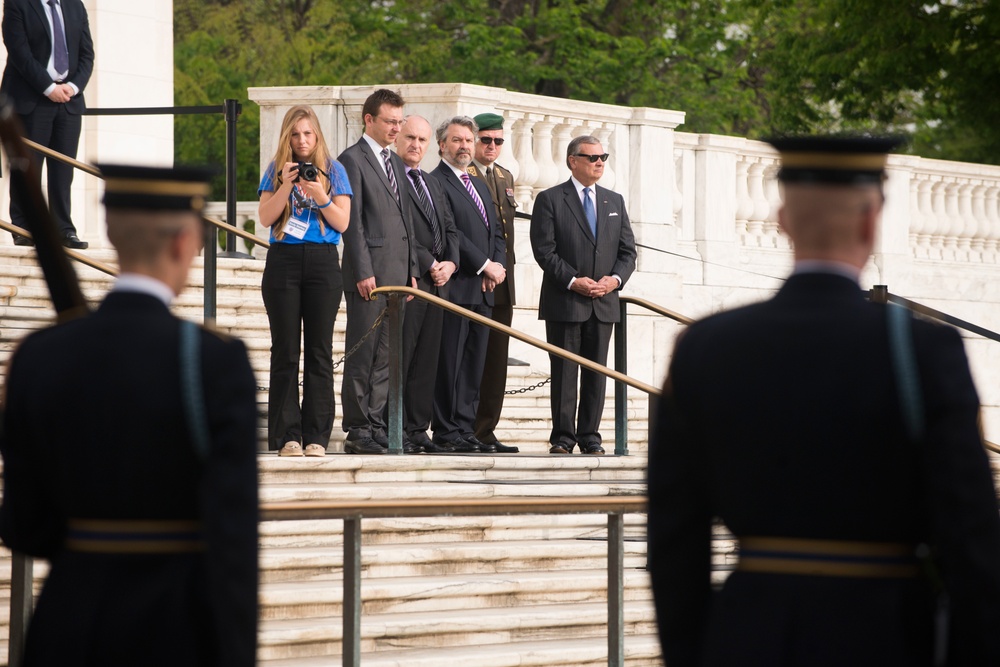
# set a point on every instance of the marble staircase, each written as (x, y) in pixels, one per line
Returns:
(482, 591)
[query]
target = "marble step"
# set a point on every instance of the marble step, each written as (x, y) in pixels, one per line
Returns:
(462, 557)
(282, 639)
(323, 598)
(640, 651)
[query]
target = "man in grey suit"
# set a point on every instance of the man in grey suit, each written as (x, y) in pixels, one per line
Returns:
(482, 254)
(582, 239)
(436, 250)
(376, 253)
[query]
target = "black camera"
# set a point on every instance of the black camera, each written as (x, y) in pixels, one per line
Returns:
(308, 172)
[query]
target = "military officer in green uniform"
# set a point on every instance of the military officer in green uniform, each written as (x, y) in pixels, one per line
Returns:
(501, 186)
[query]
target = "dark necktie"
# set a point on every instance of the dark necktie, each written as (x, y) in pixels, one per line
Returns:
(388, 172)
(61, 56)
(589, 212)
(428, 208)
(475, 197)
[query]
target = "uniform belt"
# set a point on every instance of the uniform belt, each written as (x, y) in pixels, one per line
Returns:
(828, 558)
(113, 536)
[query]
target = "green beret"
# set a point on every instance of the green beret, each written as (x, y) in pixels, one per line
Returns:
(489, 121)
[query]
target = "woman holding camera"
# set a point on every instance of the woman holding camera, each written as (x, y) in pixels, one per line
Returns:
(305, 198)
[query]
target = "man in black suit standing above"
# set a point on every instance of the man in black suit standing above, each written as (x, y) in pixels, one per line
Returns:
(50, 57)
(376, 253)
(482, 254)
(582, 239)
(436, 250)
(500, 183)
(838, 441)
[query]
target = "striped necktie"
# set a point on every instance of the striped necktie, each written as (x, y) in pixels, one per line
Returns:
(60, 60)
(475, 197)
(388, 172)
(428, 208)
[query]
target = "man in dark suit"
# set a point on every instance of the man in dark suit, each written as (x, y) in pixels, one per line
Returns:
(582, 239)
(50, 57)
(376, 253)
(145, 500)
(436, 250)
(482, 254)
(500, 183)
(838, 441)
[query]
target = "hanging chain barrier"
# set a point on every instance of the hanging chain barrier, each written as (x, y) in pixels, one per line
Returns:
(525, 390)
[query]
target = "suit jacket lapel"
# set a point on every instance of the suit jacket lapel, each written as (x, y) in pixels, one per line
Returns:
(576, 208)
(40, 13)
(602, 212)
(375, 162)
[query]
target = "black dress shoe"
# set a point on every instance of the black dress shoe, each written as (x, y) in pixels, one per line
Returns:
(504, 449)
(419, 438)
(71, 240)
(23, 240)
(483, 447)
(457, 444)
(561, 448)
(363, 445)
(436, 448)
(592, 448)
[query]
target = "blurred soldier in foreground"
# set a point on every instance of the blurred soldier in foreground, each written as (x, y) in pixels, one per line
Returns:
(129, 452)
(837, 439)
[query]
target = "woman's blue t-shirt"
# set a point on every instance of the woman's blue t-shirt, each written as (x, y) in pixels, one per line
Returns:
(304, 208)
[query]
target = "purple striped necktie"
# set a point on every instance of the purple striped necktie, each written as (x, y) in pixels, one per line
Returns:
(61, 60)
(475, 197)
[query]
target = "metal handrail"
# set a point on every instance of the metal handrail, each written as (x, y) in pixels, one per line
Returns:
(353, 512)
(396, 293)
(656, 308)
(80, 257)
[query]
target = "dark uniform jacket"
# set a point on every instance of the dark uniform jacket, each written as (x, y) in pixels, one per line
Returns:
(94, 429)
(783, 419)
(501, 187)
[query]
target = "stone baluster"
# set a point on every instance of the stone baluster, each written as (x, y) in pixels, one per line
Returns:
(678, 196)
(744, 205)
(938, 220)
(917, 222)
(508, 157)
(969, 230)
(772, 195)
(562, 135)
(953, 221)
(541, 139)
(528, 173)
(758, 216)
(991, 208)
(603, 135)
(979, 215)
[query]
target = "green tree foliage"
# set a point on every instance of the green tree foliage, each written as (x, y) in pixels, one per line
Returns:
(743, 67)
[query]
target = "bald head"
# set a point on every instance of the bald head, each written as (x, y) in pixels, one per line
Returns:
(831, 222)
(413, 139)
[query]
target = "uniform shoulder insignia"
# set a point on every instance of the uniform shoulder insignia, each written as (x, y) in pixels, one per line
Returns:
(471, 170)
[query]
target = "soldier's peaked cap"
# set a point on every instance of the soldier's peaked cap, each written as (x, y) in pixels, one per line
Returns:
(834, 159)
(156, 188)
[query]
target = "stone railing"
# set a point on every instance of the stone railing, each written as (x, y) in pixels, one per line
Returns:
(704, 209)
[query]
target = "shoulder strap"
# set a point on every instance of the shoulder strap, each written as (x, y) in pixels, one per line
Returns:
(904, 365)
(191, 390)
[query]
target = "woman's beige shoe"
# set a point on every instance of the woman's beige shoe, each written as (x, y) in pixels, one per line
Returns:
(315, 450)
(291, 448)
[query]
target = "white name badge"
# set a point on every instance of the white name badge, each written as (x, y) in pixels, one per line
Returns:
(297, 228)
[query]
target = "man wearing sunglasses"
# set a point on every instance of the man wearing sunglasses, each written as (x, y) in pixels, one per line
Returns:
(582, 239)
(500, 183)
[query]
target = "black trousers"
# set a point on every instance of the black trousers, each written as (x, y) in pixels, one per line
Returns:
(591, 340)
(302, 288)
(365, 391)
(491, 392)
(52, 126)
(421, 348)
(460, 372)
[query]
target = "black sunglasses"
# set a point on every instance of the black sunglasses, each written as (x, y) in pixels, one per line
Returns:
(491, 140)
(594, 158)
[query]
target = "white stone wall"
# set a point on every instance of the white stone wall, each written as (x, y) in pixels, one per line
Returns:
(133, 67)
